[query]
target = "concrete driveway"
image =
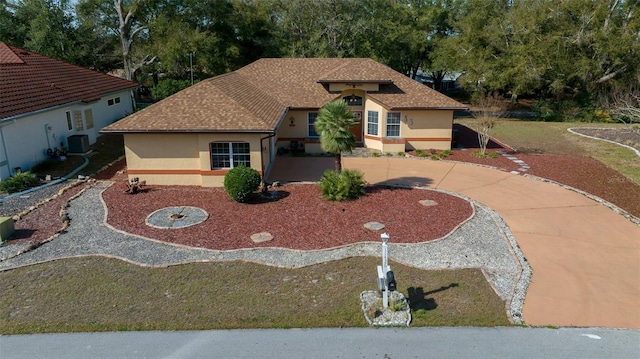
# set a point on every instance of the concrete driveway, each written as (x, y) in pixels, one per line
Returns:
(585, 257)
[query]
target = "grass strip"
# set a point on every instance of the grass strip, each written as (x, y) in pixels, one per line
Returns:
(102, 294)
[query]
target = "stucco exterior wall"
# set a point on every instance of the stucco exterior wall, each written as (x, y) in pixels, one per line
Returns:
(24, 140)
(184, 158)
(427, 129)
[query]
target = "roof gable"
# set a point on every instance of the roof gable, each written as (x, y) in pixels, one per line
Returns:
(32, 82)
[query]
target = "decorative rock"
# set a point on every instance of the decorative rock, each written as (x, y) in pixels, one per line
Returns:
(428, 202)
(374, 226)
(377, 315)
(261, 237)
(176, 217)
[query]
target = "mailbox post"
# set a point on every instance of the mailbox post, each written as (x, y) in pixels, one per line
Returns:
(386, 279)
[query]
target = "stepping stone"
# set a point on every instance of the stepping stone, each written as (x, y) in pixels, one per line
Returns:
(428, 202)
(374, 226)
(261, 237)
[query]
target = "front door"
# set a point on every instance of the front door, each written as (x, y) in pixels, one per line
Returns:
(357, 129)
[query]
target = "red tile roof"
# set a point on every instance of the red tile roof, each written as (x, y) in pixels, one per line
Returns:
(256, 96)
(31, 82)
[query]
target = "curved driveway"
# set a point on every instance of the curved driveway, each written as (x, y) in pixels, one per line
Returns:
(585, 257)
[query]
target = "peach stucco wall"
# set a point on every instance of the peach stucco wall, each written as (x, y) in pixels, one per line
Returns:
(183, 159)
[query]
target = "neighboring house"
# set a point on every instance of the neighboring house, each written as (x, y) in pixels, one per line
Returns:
(43, 102)
(247, 116)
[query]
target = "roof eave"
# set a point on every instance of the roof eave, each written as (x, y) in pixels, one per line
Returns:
(116, 131)
(385, 82)
(408, 108)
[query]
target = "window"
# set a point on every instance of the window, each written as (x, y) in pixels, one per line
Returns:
(372, 123)
(112, 101)
(116, 100)
(393, 124)
(311, 120)
(69, 121)
(88, 118)
(77, 117)
(229, 155)
(353, 100)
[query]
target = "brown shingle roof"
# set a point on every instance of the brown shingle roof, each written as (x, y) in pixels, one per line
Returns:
(256, 96)
(223, 103)
(31, 82)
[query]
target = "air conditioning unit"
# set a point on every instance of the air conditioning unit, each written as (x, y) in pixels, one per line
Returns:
(78, 143)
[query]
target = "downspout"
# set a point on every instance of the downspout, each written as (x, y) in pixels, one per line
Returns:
(263, 184)
(4, 148)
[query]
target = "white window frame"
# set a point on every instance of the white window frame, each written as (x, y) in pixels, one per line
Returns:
(311, 130)
(113, 101)
(394, 125)
(69, 120)
(233, 159)
(370, 123)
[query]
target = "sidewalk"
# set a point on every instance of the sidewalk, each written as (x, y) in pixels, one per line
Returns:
(585, 257)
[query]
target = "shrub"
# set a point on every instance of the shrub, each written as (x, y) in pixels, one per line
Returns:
(19, 182)
(343, 186)
(388, 154)
(241, 182)
(401, 154)
(375, 154)
(486, 155)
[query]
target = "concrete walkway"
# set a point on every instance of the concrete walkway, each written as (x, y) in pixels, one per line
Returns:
(585, 257)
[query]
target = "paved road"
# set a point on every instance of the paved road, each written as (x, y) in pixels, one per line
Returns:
(463, 343)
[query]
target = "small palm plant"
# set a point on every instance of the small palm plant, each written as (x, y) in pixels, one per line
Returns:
(333, 123)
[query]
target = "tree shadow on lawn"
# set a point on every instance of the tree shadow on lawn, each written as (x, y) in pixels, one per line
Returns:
(468, 138)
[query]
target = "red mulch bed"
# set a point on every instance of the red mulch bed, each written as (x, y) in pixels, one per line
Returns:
(300, 219)
(43, 222)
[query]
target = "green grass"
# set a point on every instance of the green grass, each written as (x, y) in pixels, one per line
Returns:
(554, 138)
(101, 294)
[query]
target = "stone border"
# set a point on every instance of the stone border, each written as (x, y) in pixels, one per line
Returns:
(603, 202)
(571, 129)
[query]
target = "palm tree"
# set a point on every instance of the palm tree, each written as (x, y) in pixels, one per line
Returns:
(333, 122)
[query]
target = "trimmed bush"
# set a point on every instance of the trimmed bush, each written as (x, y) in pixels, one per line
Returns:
(241, 182)
(343, 186)
(19, 182)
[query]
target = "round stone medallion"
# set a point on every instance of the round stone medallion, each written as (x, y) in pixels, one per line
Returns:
(176, 217)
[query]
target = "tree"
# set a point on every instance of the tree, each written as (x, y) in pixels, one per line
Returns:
(624, 103)
(42, 26)
(333, 123)
(488, 110)
(128, 29)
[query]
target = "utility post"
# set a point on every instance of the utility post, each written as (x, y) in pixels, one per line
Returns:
(191, 65)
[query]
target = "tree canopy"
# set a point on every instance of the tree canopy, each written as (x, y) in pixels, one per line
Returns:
(582, 49)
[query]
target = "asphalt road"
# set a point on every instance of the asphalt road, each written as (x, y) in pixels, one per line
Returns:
(383, 343)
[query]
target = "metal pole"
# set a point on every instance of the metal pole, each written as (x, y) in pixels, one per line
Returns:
(191, 66)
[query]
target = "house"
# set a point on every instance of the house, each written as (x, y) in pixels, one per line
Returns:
(249, 115)
(46, 103)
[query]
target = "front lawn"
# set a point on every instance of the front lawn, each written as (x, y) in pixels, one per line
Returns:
(102, 294)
